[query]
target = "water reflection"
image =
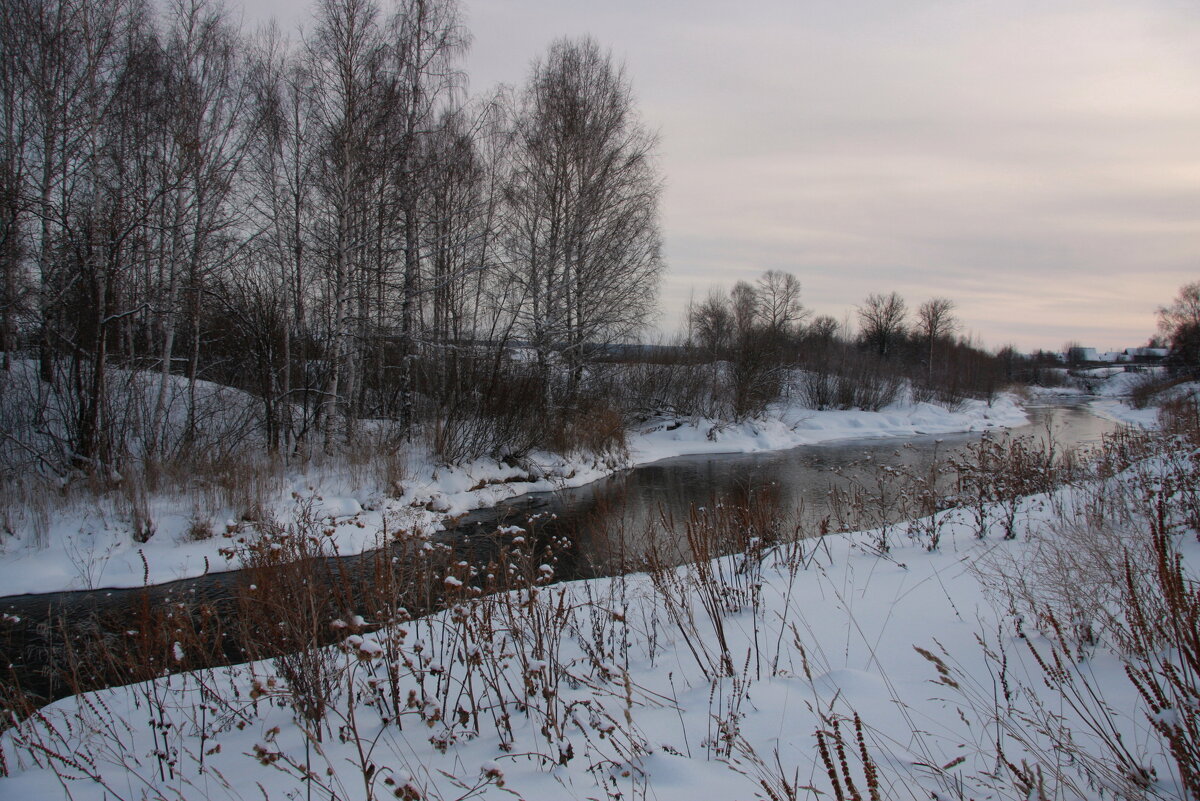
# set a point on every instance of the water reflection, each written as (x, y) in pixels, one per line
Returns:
(609, 519)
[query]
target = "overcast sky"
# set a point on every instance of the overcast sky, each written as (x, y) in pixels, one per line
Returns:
(1036, 161)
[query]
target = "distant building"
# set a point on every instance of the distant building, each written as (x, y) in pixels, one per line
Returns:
(1078, 354)
(1082, 355)
(1147, 354)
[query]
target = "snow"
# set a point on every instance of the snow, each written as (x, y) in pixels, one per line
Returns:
(224, 416)
(89, 545)
(915, 646)
(895, 639)
(1109, 390)
(1118, 410)
(791, 426)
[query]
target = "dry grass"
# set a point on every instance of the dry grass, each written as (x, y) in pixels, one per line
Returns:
(1107, 578)
(352, 650)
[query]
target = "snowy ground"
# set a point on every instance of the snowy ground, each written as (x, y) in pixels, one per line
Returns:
(1109, 389)
(620, 688)
(1114, 404)
(91, 545)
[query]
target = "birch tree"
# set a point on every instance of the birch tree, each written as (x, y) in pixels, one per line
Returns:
(15, 218)
(935, 322)
(205, 144)
(344, 57)
(425, 39)
(584, 204)
(83, 187)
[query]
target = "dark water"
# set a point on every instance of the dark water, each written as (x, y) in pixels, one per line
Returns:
(606, 523)
(797, 481)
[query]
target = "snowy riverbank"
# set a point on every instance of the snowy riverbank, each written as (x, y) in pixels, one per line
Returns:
(91, 545)
(1109, 393)
(914, 672)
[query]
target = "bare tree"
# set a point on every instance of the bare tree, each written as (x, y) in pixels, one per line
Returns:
(1180, 324)
(779, 303)
(711, 323)
(459, 232)
(745, 306)
(818, 340)
(204, 144)
(14, 214)
(344, 57)
(935, 322)
(823, 328)
(881, 318)
(324, 225)
(584, 206)
(85, 182)
(280, 193)
(425, 37)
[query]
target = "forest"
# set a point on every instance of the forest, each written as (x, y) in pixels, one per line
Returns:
(331, 225)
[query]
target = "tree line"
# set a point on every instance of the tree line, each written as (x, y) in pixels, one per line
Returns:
(761, 332)
(330, 223)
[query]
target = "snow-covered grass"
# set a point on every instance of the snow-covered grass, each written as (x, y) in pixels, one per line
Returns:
(81, 539)
(1058, 662)
(1118, 402)
(1129, 398)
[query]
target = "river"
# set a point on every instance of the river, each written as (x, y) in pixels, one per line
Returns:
(606, 523)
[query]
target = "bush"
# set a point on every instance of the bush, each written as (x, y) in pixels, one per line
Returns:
(504, 417)
(1147, 387)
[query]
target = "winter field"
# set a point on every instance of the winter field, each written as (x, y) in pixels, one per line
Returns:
(276, 294)
(1035, 639)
